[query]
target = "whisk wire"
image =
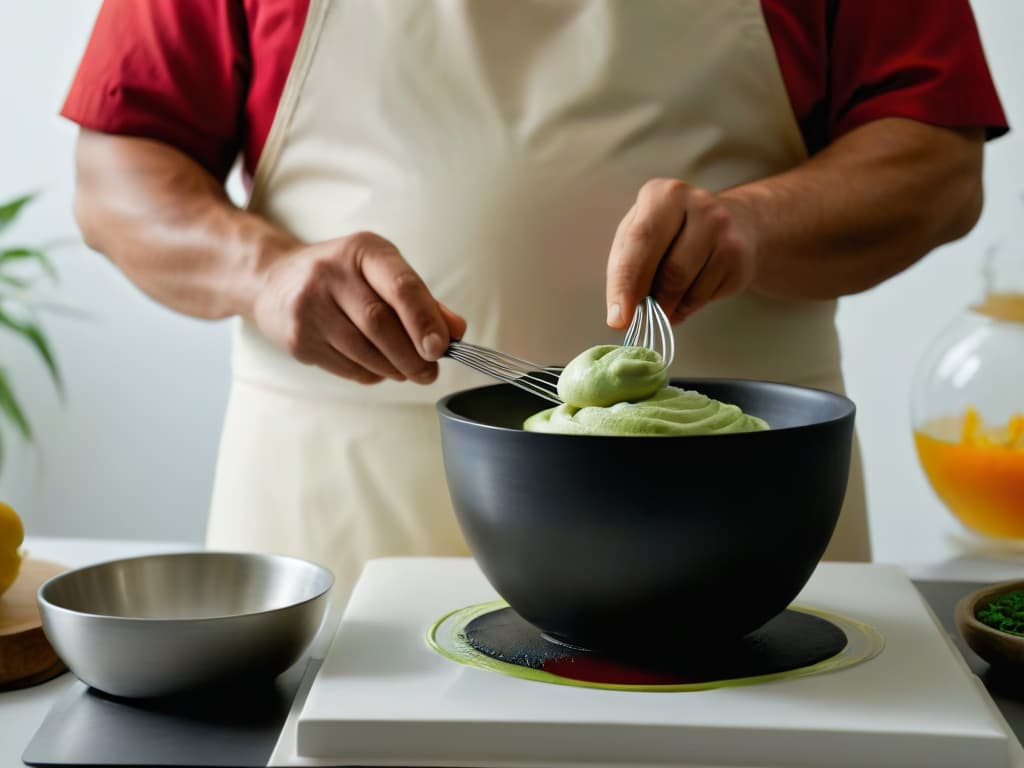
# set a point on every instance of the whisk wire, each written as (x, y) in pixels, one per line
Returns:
(537, 379)
(651, 328)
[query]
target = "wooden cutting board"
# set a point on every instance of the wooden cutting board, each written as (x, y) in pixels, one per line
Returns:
(26, 657)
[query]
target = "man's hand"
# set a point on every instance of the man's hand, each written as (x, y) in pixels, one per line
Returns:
(352, 306)
(683, 243)
(863, 209)
(355, 307)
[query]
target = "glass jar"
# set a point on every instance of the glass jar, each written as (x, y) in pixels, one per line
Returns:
(967, 406)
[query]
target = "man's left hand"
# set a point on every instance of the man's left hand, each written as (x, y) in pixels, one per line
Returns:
(683, 245)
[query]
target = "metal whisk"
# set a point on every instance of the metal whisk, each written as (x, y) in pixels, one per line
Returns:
(650, 328)
(540, 380)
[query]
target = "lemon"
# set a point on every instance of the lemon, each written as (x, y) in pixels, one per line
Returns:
(12, 533)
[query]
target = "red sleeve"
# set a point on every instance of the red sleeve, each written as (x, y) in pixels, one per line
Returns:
(848, 62)
(172, 70)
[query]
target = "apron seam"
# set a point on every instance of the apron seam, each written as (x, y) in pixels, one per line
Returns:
(301, 65)
(763, 47)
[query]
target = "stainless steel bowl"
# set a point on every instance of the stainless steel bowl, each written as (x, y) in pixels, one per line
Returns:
(165, 624)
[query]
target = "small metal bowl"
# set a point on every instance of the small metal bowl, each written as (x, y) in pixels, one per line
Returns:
(162, 625)
(1000, 649)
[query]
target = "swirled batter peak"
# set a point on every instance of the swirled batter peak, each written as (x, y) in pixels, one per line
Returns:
(612, 390)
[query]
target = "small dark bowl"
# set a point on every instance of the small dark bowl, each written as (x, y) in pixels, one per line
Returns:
(1000, 649)
(642, 544)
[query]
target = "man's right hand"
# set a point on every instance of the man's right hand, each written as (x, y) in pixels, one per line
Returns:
(354, 307)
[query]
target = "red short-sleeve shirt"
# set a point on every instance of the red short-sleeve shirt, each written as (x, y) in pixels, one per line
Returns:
(206, 75)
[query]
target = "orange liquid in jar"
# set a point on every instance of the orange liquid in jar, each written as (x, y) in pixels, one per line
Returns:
(977, 470)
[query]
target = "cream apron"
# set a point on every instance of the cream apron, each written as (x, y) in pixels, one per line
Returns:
(497, 143)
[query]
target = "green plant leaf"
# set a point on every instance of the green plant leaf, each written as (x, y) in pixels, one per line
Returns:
(9, 211)
(34, 335)
(15, 282)
(22, 253)
(10, 408)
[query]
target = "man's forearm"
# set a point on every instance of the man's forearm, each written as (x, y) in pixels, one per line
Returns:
(170, 227)
(862, 210)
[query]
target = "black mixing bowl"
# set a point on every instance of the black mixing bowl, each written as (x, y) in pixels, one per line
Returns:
(643, 544)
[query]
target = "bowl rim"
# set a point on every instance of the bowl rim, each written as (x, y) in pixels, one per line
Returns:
(964, 612)
(849, 411)
(48, 605)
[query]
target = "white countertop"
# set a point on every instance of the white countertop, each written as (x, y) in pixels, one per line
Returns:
(22, 711)
(915, 704)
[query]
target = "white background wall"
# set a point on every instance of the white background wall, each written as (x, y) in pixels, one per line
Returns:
(131, 451)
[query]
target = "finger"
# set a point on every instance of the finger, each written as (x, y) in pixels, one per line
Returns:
(725, 285)
(705, 285)
(686, 309)
(683, 266)
(378, 322)
(402, 289)
(727, 272)
(456, 323)
(642, 239)
(349, 341)
(679, 316)
(318, 319)
(376, 261)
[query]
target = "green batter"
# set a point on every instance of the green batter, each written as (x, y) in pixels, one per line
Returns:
(613, 390)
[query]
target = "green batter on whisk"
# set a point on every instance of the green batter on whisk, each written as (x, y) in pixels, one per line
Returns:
(613, 390)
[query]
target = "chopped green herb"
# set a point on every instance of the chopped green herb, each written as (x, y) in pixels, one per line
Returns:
(1005, 613)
